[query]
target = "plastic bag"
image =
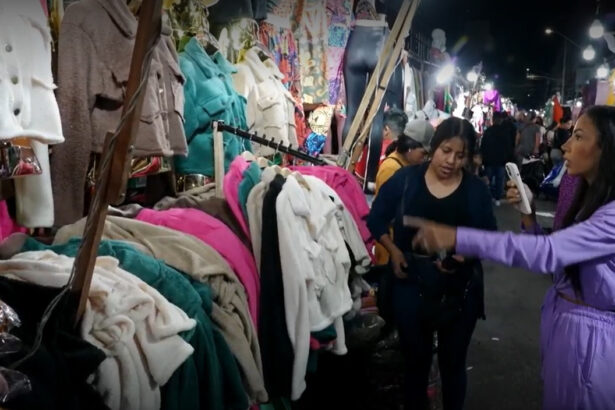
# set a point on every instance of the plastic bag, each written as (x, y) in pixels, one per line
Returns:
(13, 384)
(8, 318)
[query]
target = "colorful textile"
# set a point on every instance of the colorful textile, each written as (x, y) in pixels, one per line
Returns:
(281, 41)
(558, 111)
(339, 16)
(217, 235)
(232, 180)
(7, 225)
(492, 97)
(365, 10)
(314, 143)
(312, 40)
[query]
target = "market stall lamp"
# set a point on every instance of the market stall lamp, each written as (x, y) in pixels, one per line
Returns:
(445, 74)
(596, 30)
(579, 104)
(472, 76)
(602, 72)
(589, 53)
(549, 31)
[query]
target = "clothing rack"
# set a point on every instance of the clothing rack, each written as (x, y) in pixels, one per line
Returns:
(269, 143)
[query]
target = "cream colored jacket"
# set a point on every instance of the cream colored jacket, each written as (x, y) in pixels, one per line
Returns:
(28, 107)
(271, 108)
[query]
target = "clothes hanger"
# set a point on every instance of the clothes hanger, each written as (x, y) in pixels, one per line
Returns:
(299, 177)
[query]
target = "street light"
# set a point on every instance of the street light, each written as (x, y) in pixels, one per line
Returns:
(589, 53)
(596, 30)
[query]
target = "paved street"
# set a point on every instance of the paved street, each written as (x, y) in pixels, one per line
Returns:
(504, 356)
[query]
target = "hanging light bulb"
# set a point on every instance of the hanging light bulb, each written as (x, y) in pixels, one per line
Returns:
(472, 76)
(602, 72)
(596, 30)
(589, 53)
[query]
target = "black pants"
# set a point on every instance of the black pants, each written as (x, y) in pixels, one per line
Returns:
(417, 335)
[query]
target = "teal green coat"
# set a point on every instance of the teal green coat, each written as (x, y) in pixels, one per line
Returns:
(210, 378)
(209, 95)
(251, 177)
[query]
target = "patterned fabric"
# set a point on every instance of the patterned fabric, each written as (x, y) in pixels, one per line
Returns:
(281, 42)
(365, 10)
(188, 18)
(285, 8)
(339, 16)
(312, 39)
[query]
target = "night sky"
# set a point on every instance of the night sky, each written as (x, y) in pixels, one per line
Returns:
(508, 36)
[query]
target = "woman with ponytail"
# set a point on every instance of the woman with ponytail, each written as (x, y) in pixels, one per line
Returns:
(578, 315)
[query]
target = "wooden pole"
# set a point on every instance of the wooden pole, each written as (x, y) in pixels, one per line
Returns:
(115, 159)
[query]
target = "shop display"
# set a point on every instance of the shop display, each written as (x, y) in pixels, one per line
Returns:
(197, 300)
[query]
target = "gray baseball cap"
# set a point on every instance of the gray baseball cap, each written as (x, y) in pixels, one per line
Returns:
(420, 131)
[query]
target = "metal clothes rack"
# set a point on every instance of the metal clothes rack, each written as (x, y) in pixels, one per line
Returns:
(221, 126)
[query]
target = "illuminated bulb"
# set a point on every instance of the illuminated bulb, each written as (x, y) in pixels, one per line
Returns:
(602, 72)
(579, 104)
(596, 30)
(472, 76)
(589, 53)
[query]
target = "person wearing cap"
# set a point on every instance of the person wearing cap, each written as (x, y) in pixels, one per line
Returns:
(410, 148)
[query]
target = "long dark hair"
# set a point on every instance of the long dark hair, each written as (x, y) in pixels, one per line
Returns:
(588, 198)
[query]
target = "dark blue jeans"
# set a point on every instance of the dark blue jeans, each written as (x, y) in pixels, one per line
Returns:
(496, 181)
(416, 337)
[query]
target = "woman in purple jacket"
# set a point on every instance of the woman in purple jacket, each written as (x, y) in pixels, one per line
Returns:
(578, 315)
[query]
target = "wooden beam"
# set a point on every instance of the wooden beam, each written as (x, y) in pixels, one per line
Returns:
(115, 159)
